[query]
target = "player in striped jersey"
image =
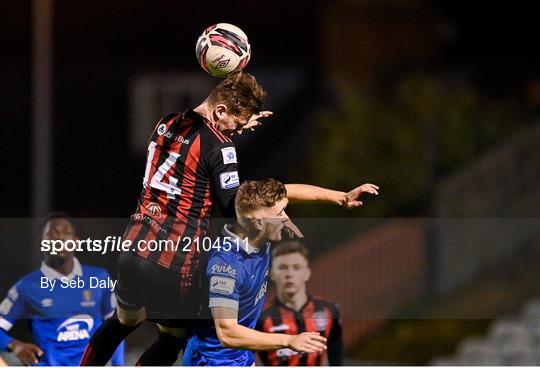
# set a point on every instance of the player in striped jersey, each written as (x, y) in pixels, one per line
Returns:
(294, 311)
(191, 169)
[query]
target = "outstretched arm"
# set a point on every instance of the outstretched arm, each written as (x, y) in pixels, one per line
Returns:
(233, 335)
(311, 193)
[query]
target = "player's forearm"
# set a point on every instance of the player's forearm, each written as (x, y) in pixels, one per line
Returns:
(312, 193)
(241, 337)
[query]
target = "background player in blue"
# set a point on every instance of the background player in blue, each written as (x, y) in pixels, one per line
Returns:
(60, 319)
(236, 279)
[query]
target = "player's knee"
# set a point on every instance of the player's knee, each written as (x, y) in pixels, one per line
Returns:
(130, 318)
(172, 331)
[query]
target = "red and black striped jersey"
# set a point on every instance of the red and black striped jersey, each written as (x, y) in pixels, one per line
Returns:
(190, 167)
(315, 316)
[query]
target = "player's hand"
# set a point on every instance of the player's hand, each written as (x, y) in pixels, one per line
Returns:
(27, 353)
(292, 230)
(350, 199)
(308, 342)
(254, 122)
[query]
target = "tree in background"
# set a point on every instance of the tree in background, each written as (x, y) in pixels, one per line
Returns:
(427, 127)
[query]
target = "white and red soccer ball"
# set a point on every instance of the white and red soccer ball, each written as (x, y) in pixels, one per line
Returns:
(223, 49)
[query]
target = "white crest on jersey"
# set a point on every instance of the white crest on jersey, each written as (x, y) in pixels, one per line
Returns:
(229, 155)
(321, 320)
(162, 128)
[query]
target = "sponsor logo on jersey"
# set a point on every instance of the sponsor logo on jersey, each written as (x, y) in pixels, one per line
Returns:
(321, 320)
(285, 353)
(177, 138)
(229, 155)
(153, 209)
(75, 328)
(5, 306)
(87, 299)
(281, 327)
(229, 179)
(227, 269)
(162, 128)
(150, 221)
(222, 285)
(261, 293)
(47, 302)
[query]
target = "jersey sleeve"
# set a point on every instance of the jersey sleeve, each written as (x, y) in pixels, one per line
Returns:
(224, 280)
(12, 308)
(158, 126)
(335, 339)
(224, 178)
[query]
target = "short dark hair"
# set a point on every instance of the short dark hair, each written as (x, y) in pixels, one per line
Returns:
(254, 194)
(290, 247)
(241, 94)
(53, 216)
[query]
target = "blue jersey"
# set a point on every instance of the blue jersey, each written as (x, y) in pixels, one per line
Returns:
(62, 317)
(235, 279)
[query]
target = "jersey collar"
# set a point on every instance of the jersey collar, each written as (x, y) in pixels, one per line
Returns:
(279, 303)
(249, 249)
(190, 114)
(51, 273)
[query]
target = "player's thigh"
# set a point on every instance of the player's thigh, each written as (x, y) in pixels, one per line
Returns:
(129, 295)
(130, 317)
(168, 299)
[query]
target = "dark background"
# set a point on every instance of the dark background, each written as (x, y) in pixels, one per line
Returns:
(435, 101)
(100, 45)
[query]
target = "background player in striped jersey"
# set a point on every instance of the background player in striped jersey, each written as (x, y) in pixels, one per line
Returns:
(191, 169)
(294, 311)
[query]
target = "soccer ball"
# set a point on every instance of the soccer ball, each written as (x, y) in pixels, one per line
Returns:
(223, 50)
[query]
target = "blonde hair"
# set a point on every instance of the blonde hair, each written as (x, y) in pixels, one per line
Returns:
(254, 194)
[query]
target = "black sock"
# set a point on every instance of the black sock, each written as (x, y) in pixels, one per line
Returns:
(163, 352)
(105, 341)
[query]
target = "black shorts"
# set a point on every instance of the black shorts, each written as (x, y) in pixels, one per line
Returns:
(168, 301)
